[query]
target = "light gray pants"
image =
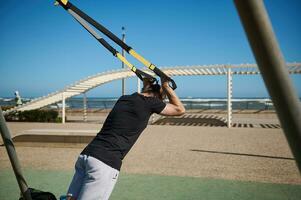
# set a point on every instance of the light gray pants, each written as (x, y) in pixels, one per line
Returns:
(93, 179)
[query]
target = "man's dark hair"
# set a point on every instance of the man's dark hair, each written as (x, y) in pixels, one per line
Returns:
(152, 87)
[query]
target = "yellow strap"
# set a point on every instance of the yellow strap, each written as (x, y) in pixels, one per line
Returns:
(141, 59)
(63, 1)
(152, 67)
(120, 57)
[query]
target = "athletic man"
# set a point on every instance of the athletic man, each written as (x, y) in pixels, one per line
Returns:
(98, 166)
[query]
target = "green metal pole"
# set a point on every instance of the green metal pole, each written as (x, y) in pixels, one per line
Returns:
(11, 151)
(271, 64)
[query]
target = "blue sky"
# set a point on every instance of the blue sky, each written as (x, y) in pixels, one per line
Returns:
(42, 49)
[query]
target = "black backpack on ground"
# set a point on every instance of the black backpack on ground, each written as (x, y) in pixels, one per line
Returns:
(40, 195)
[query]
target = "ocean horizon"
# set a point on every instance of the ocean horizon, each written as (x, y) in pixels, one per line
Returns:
(248, 103)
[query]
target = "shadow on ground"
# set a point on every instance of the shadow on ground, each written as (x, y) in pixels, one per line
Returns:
(209, 120)
(192, 120)
(242, 154)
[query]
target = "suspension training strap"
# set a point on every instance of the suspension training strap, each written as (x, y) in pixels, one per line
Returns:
(140, 74)
(70, 7)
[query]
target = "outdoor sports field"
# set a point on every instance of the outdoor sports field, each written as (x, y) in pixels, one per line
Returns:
(170, 162)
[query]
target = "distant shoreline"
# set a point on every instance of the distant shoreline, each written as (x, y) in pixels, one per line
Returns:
(190, 103)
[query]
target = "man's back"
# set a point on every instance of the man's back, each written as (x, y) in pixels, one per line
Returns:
(123, 126)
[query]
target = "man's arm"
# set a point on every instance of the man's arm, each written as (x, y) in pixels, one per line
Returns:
(175, 106)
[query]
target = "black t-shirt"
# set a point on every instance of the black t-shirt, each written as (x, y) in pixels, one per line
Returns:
(123, 126)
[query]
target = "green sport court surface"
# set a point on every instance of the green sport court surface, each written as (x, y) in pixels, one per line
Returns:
(155, 187)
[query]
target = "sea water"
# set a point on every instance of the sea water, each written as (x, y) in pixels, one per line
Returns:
(189, 103)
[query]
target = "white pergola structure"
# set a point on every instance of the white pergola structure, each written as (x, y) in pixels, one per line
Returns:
(84, 85)
(229, 97)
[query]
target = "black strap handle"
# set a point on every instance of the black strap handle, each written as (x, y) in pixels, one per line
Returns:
(162, 75)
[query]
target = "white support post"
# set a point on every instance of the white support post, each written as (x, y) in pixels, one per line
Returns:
(63, 108)
(138, 85)
(229, 97)
(85, 107)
